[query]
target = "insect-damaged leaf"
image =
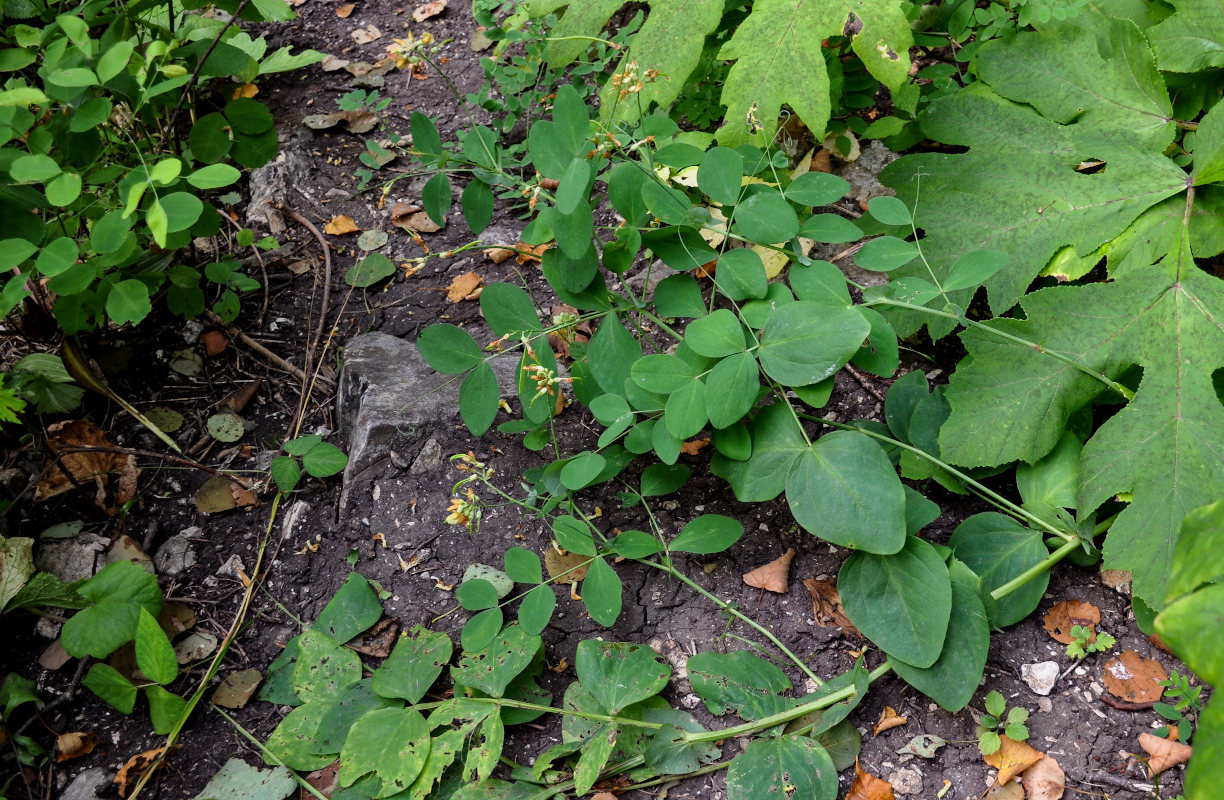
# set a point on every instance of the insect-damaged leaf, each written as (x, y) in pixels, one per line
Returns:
(782, 767)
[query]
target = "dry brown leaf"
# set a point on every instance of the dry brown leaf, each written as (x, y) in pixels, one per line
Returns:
(498, 254)
(566, 567)
(1134, 679)
(340, 225)
(1004, 791)
(324, 780)
(401, 211)
(241, 397)
(245, 90)
(827, 607)
(236, 688)
(427, 10)
(379, 640)
(85, 467)
(343, 11)
(215, 343)
(603, 796)
(868, 787)
(419, 223)
(463, 286)
(1012, 758)
(301, 266)
(774, 576)
(693, 446)
(529, 253)
(889, 719)
(366, 35)
(1163, 753)
(1066, 614)
(136, 766)
(1045, 780)
(221, 494)
(74, 745)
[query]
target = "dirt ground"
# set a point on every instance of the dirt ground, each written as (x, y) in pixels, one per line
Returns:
(404, 498)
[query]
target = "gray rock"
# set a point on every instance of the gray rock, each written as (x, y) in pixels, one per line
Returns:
(864, 176)
(906, 781)
(269, 183)
(72, 559)
(388, 396)
(429, 458)
(176, 556)
(86, 784)
(1041, 676)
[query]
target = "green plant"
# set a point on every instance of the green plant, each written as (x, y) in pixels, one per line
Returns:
(40, 380)
(318, 458)
(1182, 714)
(994, 723)
(1084, 642)
(17, 691)
(90, 139)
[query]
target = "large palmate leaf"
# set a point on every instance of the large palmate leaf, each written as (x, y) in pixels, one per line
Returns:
(1166, 447)
(779, 40)
(782, 38)
(1192, 39)
(1074, 92)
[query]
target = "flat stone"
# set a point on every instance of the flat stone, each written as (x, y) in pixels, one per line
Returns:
(906, 781)
(1041, 676)
(176, 555)
(86, 784)
(232, 568)
(388, 396)
(72, 559)
(429, 458)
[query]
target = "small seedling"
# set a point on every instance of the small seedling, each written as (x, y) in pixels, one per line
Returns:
(993, 723)
(1181, 714)
(1081, 645)
(309, 453)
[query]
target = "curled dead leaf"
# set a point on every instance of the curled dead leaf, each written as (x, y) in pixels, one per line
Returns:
(1066, 614)
(462, 286)
(325, 780)
(401, 211)
(215, 343)
(245, 90)
(74, 745)
(1012, 758)
(134, 768)
(1134, 679)
(340, 225)
(1163, 753)
(85, 467)
(528, 252)
(827, 607)
(427, 10)
(1045, 780)
(693, 446)
(868, 787)
(379, 640)
(358, 120)
(774, 576)
(498, 254)
(889, 719)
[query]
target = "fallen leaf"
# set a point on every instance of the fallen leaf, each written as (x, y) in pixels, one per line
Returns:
(427, 10)
(1134, 679)
(1045, 780)
(528, 252)
(480, 41)
(566, 567)
(226, 426)
(1004, 791)
(827, 606)
(774, 576)
(693, 446)
(1012, 758)
(241, 397)
(167, 419)
(54, 657)
(215, 343)
(175, 618)
(1163, 753)
(1066, 614)
(357, 120)
(868, 787)
(372, 240)
(330, 63)
(125, 548)
(343, 11)
(324, 780)
(401, 211)
(366, 35)
(379, 640)
(419, 223)
(463, 286)
(85, 467)
(74, 745)
(499, 254)
(186, 362)
(195, 647)
(134, 768)
(889, 719)
(301, 266)
(245, 90)
(923, 745)
(603, 796)
(236, 688)
(340, 225)
(221, 494)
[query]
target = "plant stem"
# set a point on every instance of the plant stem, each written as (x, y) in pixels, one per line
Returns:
(673, 572)
(1032, 572)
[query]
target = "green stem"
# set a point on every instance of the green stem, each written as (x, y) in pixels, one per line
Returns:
(673, 572)
(1032, 572)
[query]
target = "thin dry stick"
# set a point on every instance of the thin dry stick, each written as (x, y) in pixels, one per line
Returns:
(318, 334)
(326, 383)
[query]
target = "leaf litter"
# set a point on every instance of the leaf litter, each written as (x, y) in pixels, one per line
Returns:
(774, 576)
(1134, 679)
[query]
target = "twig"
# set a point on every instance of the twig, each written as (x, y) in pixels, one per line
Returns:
(864, 381)
(313, 344)
(187, 462)
(326, 383)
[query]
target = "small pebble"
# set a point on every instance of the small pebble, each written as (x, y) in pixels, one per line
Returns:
(1041, 676)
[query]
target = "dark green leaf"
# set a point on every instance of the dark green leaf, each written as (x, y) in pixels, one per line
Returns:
(391, 743)
(739, 681)
(478, 398)
(601, 593)
(720, 174)
(707, 534)
(618, 674)
(537, 608)
(574, 535)
(661, 374)
(766, 218)
(661, 479)
(782, 768)
(685, 410)
(889, 210)
(509, 310)
(805, 342)
(481, 630)
(449, 349)
(741, 274)
(426, 141)
(436, 197)
(974, 268)
(679, 296)
(107, 683)
(885, 253)
(716, 335)
(817, 189)
(681, 247)
(731, 389)
(611, 354)
(413, 666)
(353, 610)
(477, 204)
(998, 549)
